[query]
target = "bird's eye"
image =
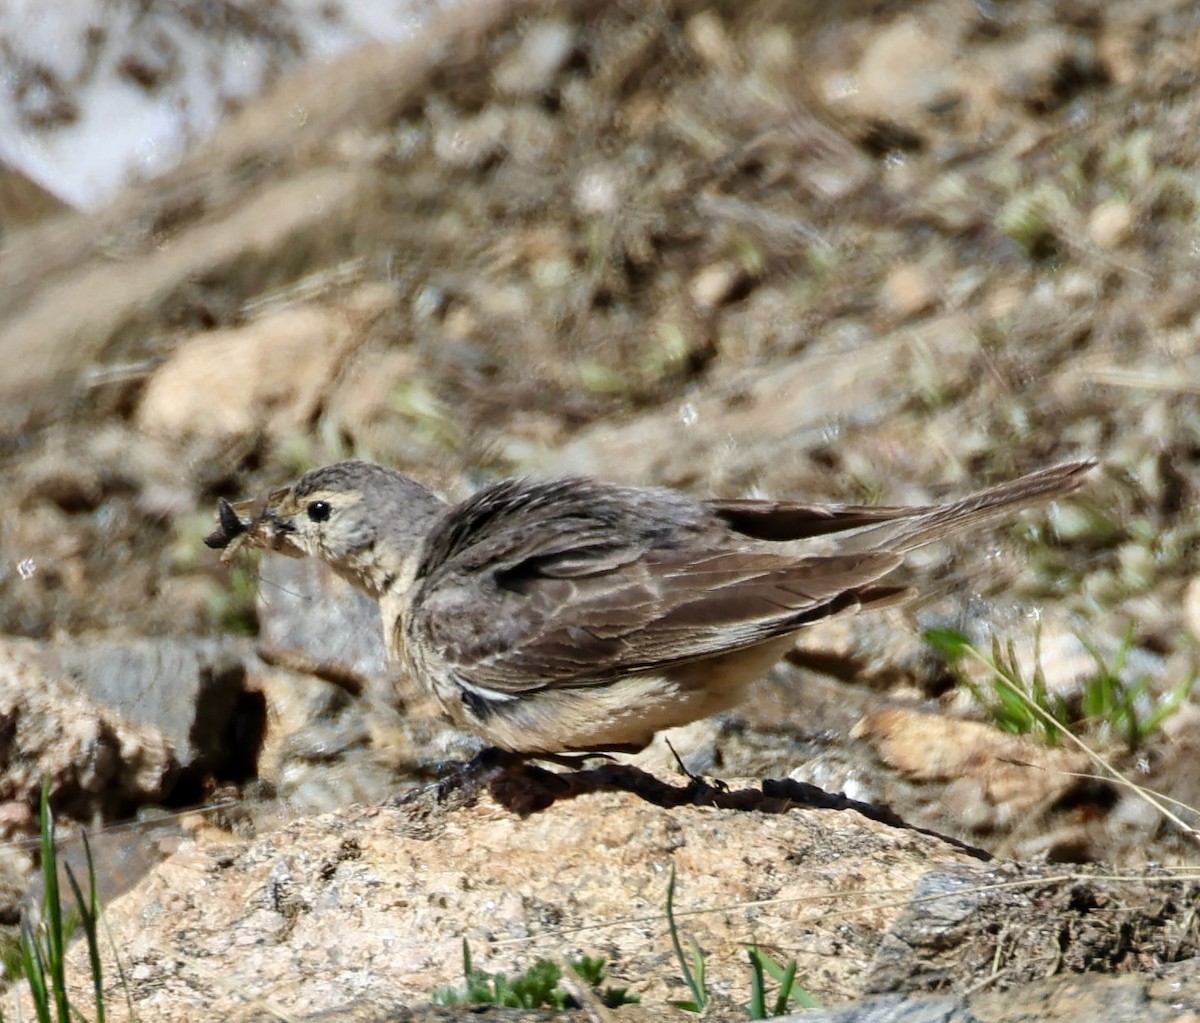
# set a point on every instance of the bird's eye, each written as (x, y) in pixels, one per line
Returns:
(319, 511)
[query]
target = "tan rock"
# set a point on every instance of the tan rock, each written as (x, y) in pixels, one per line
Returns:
(63, 325)
(707, 36)
(979, 780)
(1191, 607)
(713, 285)
(363, 406)
(1110, 224)
(909, 291)
(906, 69)
(269, 375)
(930, 747)
(375, 903)
(370, 906)
(531, 67)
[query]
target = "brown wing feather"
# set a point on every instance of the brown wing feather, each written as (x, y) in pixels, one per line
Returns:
(788, 520)
(666, 607)
(576, 582)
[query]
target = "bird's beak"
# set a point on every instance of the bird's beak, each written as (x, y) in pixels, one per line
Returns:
(255, 523)
(276, 533)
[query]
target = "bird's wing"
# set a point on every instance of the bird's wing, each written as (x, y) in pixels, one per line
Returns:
(527, 591)
(791, 520)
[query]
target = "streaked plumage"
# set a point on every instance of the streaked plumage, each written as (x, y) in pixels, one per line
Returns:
(572, 614)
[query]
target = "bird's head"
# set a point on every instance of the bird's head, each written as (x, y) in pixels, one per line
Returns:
(365, 521)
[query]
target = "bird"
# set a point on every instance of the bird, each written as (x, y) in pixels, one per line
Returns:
(572, 615)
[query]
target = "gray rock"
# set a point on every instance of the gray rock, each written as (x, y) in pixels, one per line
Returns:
(96, 762)
(303, 607)
(1171, 994)
(192, 691)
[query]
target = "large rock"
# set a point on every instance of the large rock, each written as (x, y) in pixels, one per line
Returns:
(270, 375)
(97, 762)
(369, 906)
(191, 692)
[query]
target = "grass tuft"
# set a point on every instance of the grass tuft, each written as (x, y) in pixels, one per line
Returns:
(693, 972)
(1108, 704)
(42, 946)
(536, 988)
(788, 994)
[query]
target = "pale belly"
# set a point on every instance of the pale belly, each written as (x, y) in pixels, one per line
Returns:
(626, 712)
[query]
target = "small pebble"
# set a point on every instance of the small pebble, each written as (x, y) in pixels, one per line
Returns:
(1110, 224)
(909, 291)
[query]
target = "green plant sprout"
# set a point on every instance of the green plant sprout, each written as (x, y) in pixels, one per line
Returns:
(538, 987)
(41, 947)
(762, 966)
(1023, 705)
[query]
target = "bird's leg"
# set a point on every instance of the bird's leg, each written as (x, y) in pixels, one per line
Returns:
(698, 785)
(511, 778)
(516, 782)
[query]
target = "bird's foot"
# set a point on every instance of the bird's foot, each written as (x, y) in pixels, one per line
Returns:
(511, 779)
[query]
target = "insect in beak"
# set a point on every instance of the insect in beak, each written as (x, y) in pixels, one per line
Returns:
(253, 523)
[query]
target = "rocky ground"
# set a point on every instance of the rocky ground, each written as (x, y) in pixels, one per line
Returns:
(845, 252)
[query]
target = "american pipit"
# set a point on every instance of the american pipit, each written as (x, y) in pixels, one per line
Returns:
(573, 615)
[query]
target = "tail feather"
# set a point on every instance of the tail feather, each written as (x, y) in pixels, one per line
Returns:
(936, 521)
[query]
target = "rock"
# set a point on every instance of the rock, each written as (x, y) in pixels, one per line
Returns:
(715, 284)
(97, 762)
(16, 870)
(989, 780)
(1091, 997)
(530, 69)
(1046, 67)
(909, 291)
(269, 376)
(1110, 223)
(23, 201)
(342, 728)
(303, 607)
(904, 72)
(1191, 607)
(191, 692)
(463, 143)
(373, 905)
(763, 417)
(51, 335)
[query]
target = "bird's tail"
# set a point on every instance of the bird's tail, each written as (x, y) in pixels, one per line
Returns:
(936, 521)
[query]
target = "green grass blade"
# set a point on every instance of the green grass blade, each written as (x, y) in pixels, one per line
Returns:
(758, 986)
(52, 910)
(116, 958)
(94, 916)
(34, 965)
(89, 910)
(698, 969)
(786, 983)
(694, 983)
(1169, 704)
(950, 644)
